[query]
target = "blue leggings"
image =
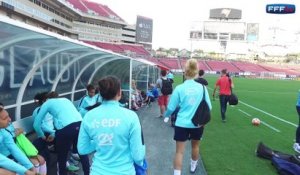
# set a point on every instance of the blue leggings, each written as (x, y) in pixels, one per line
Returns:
(65, 137)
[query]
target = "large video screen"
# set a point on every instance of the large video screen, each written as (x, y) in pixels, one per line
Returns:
(224, 27)
(144, 29)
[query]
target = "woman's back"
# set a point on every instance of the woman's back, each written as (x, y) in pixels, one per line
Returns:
(188, 95)
(116, 133)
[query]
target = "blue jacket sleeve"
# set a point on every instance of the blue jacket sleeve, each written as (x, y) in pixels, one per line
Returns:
(85, 143)
(173, 103)
(47, 126)
(16, 152)
(83, 104)
(10, 165)
(37, 124)
(136, 142)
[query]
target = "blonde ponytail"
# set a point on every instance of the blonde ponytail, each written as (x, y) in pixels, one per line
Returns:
(191, 69)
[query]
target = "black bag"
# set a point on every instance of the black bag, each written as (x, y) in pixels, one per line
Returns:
(233, 99)
(202, 114)
(167, 87)
(263, 151)
(285, 167)
(267, 153)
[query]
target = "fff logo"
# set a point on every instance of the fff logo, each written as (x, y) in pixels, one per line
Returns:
(280, 8)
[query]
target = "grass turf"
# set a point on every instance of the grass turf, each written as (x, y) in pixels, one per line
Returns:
(229, 148)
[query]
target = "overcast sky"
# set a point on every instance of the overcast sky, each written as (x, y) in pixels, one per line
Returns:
(173, 19)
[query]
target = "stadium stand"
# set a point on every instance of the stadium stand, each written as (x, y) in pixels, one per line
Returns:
(111, 12)
(170, 62)
(249, 67)
(77, 4)
(96, 7)
(202, 65)
(121, 48)
(286, 71)
(231, 66)
(219, 65)
(89, 7)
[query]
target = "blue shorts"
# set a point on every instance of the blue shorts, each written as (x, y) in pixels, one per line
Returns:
(184, 134)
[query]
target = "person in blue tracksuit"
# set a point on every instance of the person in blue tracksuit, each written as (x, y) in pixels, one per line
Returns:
(187, 97)
(8, 166)
(89, 101)
(114, 133)
(297, 143)
(38, 161)
(67, 122)
(47, 126)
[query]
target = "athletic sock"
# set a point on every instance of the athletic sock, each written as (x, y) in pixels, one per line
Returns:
(194, 162)
(177, 172)
(37, 167)
(43, 169)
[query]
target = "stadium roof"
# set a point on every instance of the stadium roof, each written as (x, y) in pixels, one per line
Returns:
(29, 49)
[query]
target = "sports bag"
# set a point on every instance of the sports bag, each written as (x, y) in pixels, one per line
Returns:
(233, 99)
(167, 87)
(285, 167)
(267, 153)
(26, 146)
(202, 114)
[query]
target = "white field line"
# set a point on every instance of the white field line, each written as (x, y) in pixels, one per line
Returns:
(245, 112)
(264, 123)
(262, 111)
(271, 115)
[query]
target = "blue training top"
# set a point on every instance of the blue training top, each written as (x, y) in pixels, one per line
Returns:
(47, 123)
(87, 101)
(63, 111)
(115, 134)
(298, 99)
(187, 97)
(6, 141)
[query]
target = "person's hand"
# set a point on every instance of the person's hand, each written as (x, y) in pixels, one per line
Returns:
(166, 119)
(50, 138)
(29, 172)
(18, 131)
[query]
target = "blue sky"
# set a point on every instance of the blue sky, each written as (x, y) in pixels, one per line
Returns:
(172, 19)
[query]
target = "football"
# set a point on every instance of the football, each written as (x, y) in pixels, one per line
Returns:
(255, 121)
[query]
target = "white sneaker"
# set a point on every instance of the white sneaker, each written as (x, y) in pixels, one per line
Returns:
(194, 167)
(296, 147)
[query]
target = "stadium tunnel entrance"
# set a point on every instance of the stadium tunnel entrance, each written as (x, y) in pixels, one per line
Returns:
(33, 60)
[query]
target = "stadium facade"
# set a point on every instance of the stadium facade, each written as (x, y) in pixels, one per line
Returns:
(78, 19)
(226, 33)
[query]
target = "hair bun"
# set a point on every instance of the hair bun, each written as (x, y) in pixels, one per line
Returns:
(191, 68)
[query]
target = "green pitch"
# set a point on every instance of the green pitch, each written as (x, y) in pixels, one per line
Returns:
(229, 148)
